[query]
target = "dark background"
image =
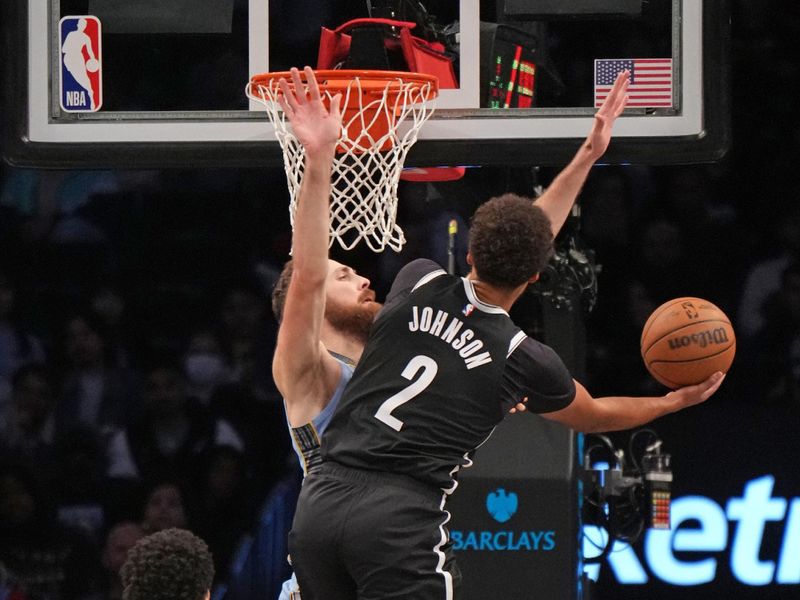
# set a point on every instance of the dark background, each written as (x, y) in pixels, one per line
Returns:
(171, 239)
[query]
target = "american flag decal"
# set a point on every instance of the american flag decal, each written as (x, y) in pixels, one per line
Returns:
(651, 80)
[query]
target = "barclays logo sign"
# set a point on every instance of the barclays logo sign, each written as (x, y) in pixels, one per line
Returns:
(501, 506)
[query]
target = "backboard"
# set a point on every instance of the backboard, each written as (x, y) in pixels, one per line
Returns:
(167, 83)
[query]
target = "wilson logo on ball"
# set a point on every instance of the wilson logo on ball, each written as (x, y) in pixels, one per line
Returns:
(702, 339)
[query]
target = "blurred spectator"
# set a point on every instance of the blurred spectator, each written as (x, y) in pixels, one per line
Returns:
(108, 303)
(204, 365)
(661, 262)
(262, 426)
(62, 199)
(710, 226)
(165, 507)
(173, 434)
(18, 345)
(10, 587)
(764, 278)
(57, 227)
(49, 561)
(28, 428)
(226, 505)
(771, 356)
(247, 334)
(80, 490)
(97, 392)
(21, 196)
(120, 539)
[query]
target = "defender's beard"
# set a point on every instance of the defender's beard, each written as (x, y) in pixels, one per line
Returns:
(353, 321)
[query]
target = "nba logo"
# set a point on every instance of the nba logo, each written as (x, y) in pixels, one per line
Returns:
(80, 55)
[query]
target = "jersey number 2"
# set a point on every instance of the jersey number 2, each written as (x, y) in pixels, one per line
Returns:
(429, 369)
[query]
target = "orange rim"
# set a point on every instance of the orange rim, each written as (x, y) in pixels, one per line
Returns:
(336, 80)
(388, 84)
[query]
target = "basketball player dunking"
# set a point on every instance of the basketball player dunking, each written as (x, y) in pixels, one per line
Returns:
(442, 365)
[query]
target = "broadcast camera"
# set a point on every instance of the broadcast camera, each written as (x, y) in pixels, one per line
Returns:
(626, 495)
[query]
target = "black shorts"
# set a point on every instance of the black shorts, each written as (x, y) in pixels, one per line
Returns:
(369, 535)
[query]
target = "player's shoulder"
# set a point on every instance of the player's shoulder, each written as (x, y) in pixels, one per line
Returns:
(418, 272)
(527, 348)
(413, 275)
(537, 360)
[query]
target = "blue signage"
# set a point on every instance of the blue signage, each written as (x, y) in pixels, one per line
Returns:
(503, 505)
(700, 533)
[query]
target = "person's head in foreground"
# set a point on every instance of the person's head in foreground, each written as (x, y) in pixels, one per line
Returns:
(173, 564)
(510, 241)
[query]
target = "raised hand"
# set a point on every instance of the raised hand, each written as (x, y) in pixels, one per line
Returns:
(600, 135)
(315, 126)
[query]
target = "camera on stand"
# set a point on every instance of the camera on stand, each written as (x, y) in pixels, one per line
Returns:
(624, 494)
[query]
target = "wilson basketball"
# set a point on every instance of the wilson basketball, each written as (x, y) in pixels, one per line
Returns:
(685, 340)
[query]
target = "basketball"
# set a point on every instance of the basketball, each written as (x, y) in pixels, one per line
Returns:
(686, 340)
(92, 65)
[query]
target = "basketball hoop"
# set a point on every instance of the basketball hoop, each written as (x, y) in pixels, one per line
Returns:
(382, 113)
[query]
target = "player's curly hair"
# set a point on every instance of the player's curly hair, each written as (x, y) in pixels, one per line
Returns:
(510, 240)
(172, 564)
(280, 289)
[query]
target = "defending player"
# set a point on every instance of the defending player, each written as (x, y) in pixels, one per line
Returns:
(324, 308)
(442, 365)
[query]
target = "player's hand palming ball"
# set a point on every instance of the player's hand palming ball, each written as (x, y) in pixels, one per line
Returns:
(686, 340)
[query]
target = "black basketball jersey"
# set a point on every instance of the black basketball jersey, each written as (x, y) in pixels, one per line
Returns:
(439, 372)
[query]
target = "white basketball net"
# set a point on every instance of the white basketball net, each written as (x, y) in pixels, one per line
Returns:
(366, 169)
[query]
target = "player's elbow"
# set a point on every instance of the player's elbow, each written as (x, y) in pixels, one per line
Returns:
(279, 372)
(585, 413)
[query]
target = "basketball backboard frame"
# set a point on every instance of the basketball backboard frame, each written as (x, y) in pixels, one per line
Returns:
(459, 133)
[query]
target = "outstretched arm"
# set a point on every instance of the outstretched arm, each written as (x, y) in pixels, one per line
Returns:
(304, 372)
(614, 413)
(559, 197)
